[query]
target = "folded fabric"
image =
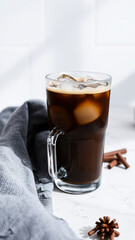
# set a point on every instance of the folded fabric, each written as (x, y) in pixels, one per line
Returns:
(25, 186)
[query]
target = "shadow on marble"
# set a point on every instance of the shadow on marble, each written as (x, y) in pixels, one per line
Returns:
(84, 233)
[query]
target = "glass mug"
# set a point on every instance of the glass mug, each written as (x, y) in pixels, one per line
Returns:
(78, 104)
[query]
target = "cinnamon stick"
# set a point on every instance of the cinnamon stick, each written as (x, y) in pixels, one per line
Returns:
(102, 237)
(105, 229)
(122, 151)
(112, 236)
(90, 233)
(104, 225)
(116, 233)
(112, 164)
(109, 158)
(122, 160)
(108, 219)
(113, 221)
(101, 220)
(115, 162)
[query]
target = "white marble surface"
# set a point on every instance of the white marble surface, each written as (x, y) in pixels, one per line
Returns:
(116, 195)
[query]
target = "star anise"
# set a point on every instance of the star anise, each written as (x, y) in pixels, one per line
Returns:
(105, 229)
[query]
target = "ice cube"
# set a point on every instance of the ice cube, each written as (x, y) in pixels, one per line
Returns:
(68, 86)
(53, 84)
(87, 78)
(80, 79)
(87, 111)
(60, 117)
(65, 76)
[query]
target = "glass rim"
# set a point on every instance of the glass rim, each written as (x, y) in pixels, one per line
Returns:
(107, 77)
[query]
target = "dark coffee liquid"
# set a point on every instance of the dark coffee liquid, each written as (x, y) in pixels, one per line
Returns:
(83, 118)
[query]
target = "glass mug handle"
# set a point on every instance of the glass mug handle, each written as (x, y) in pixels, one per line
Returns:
(52, 156)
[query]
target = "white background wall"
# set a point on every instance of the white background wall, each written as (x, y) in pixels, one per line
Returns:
(42, 36)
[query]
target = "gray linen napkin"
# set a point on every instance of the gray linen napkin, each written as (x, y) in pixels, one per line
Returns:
(25, 186)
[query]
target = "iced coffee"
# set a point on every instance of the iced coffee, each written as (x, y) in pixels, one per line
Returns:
(78, 106)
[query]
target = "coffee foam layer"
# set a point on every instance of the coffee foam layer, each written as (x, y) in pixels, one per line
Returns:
(75, 90)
